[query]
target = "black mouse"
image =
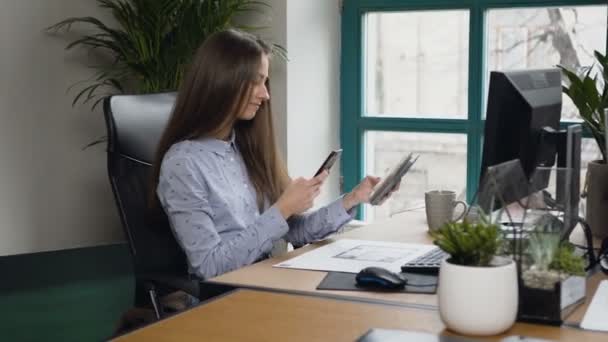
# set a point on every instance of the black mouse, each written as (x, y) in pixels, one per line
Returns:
(378, 277)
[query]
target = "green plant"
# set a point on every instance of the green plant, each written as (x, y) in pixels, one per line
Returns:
(153, 43)
(469, 244)
(542, 248)
(566, 261)
(588, 91)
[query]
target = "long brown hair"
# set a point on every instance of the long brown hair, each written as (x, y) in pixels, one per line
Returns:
(216, 87)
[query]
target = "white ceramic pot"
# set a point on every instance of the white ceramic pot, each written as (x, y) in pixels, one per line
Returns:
(478, 300)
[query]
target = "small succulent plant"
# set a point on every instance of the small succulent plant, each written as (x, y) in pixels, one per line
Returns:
(542, 248)
(469, 244)
(566, 261)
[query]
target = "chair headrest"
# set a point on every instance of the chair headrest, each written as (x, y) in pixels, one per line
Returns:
(136, 122)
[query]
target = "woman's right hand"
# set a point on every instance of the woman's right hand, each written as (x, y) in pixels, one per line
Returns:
(300, 195)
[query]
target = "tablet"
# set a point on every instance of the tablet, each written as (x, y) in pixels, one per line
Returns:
(392, 179)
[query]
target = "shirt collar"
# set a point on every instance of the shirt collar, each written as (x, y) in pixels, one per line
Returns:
(220, 146)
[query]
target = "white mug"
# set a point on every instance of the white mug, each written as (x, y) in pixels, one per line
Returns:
(440, 205)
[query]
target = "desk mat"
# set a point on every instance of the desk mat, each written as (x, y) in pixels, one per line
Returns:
(346, 282)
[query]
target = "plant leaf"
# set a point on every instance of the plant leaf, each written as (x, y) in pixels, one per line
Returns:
(152, 43)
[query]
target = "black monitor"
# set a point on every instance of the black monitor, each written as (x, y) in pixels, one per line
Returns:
(522, 122)
(524, 109)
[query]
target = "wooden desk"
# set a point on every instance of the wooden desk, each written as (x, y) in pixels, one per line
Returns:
(408, 227)
(249, 315)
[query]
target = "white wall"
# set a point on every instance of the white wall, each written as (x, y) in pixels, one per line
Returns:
(305, 89)
(275, 22)
(53, 195)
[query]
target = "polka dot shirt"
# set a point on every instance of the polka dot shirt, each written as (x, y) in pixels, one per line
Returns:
(206, 192)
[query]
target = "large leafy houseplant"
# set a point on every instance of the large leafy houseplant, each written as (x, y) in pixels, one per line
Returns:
(587, 89)
(152, 44)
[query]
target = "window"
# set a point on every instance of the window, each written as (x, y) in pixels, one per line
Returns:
(414, 78)
(383, 150)
(542, 37)
(403, 62)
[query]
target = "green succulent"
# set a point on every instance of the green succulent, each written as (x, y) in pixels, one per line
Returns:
(542, 248)
(566, 261)
(469, 244)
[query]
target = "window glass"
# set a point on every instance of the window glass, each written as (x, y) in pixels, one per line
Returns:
(416, 64)
(520, 38)
(438, 152)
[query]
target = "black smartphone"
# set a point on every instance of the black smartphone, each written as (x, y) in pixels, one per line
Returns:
(329, 161)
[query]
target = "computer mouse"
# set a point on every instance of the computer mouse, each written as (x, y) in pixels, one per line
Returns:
(380, 278)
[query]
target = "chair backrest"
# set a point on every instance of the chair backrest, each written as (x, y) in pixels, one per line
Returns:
(135, 124)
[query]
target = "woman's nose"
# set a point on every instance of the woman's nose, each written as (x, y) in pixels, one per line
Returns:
(264, 94)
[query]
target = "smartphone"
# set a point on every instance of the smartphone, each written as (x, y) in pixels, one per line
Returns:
(329, 161)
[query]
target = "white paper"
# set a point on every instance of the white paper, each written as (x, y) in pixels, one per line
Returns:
(352, 256)
(596, 317)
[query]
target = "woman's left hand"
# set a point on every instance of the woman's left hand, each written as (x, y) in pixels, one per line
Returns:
(362, 192)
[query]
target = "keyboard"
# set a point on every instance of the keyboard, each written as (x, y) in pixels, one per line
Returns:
(427, 263)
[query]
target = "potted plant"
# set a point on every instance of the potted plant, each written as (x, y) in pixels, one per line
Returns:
(152, 43)
(587, 89)
(478, 291)
(552, 278)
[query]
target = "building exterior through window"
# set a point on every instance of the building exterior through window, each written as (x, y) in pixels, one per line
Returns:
(423, 84)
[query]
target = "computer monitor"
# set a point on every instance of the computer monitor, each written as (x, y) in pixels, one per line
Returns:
(524, 108)
(522, 122)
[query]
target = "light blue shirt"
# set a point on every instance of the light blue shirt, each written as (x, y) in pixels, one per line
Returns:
(205, 190)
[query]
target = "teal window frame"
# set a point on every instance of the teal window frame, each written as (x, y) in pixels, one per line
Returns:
(353, 121)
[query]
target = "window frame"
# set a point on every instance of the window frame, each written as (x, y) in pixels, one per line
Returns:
(353, 122)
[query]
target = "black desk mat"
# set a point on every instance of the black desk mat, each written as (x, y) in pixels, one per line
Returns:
(416, 283)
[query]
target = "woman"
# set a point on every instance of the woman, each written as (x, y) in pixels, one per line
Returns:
(220, 179)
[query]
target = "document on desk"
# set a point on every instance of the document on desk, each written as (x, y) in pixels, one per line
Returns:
(351, 256)
(596, 317)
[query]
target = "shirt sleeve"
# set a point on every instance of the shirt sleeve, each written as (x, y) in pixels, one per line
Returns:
(316, 225)
(184, 196)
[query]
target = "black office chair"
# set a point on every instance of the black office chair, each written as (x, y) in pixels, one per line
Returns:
(135, 124)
